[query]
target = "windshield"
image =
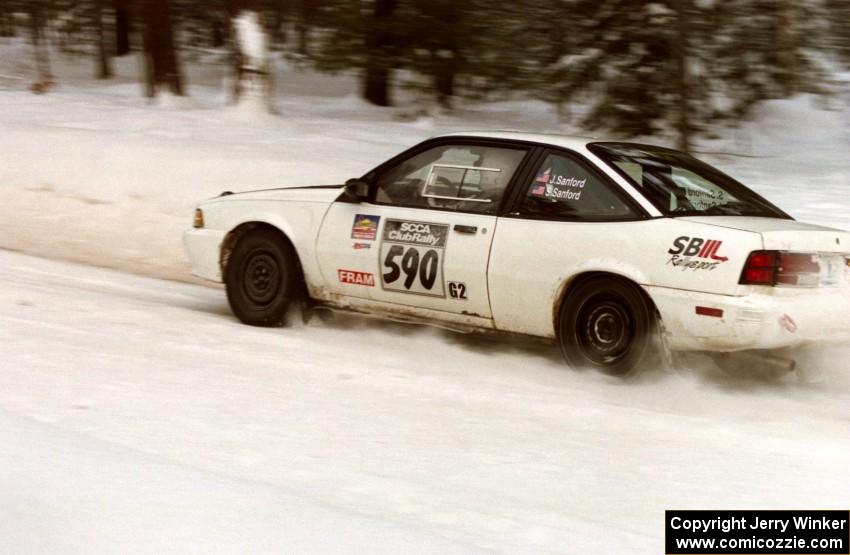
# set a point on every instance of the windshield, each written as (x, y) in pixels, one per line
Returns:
(680, 185)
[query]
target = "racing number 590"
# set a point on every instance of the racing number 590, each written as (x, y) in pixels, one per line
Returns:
(411, 265)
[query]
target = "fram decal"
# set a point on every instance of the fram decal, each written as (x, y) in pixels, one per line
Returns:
(360, 246)
(356, 278)
(365, 227)
(696, 253)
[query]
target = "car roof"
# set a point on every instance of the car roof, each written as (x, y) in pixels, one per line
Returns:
(565, 141)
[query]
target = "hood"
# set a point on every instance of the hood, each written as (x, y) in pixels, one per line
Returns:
(783, 235)
(315, 193)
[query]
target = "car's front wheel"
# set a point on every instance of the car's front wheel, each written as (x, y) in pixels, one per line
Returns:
(261, 278)
(606, 324)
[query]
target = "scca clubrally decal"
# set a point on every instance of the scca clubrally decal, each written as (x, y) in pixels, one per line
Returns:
(412, 256)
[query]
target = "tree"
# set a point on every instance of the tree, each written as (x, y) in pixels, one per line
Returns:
(363, 35)
(378, 64)
(122, 27)
(683, 85)
(431, 38)
(7, 19)
(839, 30)
(37, 12)
(104, 68)
(162, 71)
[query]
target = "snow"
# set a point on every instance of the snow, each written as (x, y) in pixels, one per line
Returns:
(67, 492)
(139, 413)
(133, 404)
(136, 415)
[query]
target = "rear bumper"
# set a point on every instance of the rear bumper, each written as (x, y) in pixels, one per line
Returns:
(784, 318)
(204, 249)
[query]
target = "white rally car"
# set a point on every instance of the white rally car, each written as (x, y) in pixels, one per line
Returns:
(609, 248)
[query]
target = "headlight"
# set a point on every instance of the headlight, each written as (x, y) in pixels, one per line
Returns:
(199, 218)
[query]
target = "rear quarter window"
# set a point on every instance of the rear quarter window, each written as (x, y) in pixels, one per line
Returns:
(565, 189)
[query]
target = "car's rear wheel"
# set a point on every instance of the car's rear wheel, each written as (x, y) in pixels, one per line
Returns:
(261, 278)
(606, 324)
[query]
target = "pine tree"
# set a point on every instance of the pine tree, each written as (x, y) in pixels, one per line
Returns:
(362, 35)
(839, 29)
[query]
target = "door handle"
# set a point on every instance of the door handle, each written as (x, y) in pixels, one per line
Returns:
(465, 228)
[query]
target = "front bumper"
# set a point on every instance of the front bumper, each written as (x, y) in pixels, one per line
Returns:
(781, 317)
(204, 249)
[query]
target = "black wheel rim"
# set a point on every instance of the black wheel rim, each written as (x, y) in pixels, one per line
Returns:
(261, 278)
(605, 330)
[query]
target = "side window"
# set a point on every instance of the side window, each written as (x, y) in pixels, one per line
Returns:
(466, 178)
(564, 189)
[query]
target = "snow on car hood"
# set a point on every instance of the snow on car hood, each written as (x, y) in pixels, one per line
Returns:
(778, 234)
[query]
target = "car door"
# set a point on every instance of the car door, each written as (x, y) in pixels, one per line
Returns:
(566, 216)
(423, 238)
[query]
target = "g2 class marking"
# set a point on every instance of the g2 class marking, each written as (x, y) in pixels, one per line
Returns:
(457, 290)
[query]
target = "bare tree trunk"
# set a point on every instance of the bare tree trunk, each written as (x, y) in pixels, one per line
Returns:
(682, 57)
(218, 32)
(305, 12)
(161, 67)
(122, 28)
(104, 71)
(38, 36)
(786, 47)
(7, 21)
(376, 78)
(444, 76)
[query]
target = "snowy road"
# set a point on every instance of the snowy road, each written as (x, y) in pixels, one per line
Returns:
(138, 415)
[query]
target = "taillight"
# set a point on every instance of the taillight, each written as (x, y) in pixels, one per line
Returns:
(760, 268)
(781, 268)
(798, 269)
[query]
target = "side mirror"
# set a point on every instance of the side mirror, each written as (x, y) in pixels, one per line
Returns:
(357, 188)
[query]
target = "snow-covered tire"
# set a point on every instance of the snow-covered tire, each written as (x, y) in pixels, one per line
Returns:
(262, 278)
(607, 324)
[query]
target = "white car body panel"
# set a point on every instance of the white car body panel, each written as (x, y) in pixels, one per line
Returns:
(635, 250)
(463, 259)
(516, 270)
(297, 212)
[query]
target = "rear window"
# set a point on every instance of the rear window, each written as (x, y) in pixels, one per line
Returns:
(680, 185)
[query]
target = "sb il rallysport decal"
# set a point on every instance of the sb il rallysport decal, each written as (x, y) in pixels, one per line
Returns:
(356, 278)
(696, 253)
(412, 256)
(365, 227)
